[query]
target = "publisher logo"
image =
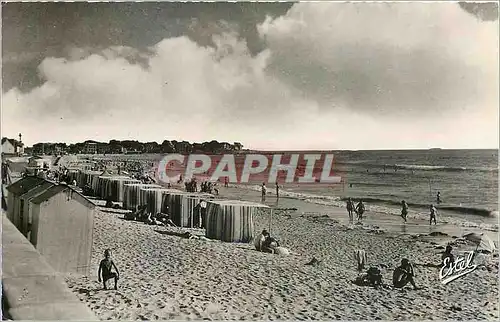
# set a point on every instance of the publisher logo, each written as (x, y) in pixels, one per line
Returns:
(460, 267)
(249, 168)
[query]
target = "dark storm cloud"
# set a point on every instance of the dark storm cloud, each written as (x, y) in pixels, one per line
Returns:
(394, 58)
(483, 11)
(393, 81)
(39, 30)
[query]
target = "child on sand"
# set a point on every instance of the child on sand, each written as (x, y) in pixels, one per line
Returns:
(105, 267)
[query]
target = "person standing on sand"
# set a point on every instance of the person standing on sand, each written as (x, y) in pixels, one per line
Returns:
(360, 210)
(277, 191)
(105, 268)
(263, 191)
(433, 215)
(226, 182)
(404, 210)
(350, 209)
(447, 255)
(438, 198)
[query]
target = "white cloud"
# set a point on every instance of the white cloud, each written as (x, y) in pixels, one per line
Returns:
(356, 58)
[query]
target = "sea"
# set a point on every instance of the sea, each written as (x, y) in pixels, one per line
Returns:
(466, 179)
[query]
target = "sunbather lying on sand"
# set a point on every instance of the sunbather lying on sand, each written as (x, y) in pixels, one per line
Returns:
(188, 235)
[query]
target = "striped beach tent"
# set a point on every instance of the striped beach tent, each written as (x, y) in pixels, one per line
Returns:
(114, 187)
(153, 198)
(131, 194)
(231, 220)
(181, 206)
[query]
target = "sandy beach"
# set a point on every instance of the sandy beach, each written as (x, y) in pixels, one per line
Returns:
(167, 277)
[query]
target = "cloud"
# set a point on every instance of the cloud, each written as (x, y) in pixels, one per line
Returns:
(331, 76)
(385, 58)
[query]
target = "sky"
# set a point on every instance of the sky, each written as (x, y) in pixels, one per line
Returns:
(269, 75)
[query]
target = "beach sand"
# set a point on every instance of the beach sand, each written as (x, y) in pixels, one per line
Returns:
(168, 277)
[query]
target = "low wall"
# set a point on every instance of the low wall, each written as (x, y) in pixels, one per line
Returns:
(31, 288)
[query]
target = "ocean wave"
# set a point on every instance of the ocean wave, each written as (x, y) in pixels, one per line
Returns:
(417, 167)
(424, 167)
(460, 209)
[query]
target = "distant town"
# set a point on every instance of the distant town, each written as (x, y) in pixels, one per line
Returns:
(16, 147)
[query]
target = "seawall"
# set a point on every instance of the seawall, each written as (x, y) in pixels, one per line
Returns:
(31, 289)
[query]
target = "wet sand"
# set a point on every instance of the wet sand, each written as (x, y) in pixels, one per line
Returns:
(164, 276)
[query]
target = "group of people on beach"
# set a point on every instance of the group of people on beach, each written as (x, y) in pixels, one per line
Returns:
(141, 214)
(205, 186)
(359, 210)
(432, 212)
(263, 191)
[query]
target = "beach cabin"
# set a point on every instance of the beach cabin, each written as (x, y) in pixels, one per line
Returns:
(61, 228)
(231, 220)
(15, 191)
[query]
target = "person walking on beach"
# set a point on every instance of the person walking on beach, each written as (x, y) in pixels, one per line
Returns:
(277, 191)
(105, 268)
(404, 210)
(263, 191)
(350, 209)
(438, 198)
(360, 210)
(226, 182)
(433, 212)
(403, 275)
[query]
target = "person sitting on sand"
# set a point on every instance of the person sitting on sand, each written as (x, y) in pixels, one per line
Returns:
(350, 209)
(373, 277)
(404, 274)
(404, 210)
(259, 240)
(269, 245)
(433, 213)
(105, 268)
(360, 210)
(447, 259)
(165, 220)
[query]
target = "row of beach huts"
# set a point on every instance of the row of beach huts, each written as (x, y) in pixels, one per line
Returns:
(58, 219)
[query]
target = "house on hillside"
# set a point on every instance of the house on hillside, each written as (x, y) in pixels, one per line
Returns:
(12, 147)
(90, 148)
(56, 219)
